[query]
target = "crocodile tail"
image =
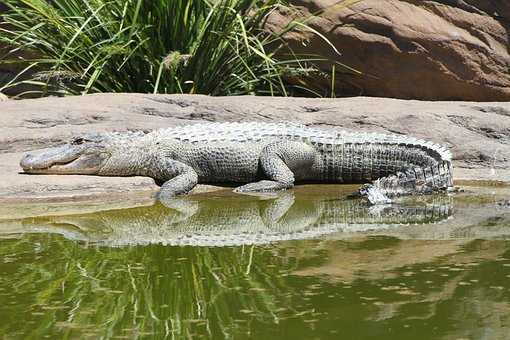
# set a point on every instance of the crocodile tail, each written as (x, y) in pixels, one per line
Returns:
(419, 180)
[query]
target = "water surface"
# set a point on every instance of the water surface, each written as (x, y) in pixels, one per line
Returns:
(306, 264)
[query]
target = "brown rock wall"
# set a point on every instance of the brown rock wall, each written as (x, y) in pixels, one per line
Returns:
(430, 50)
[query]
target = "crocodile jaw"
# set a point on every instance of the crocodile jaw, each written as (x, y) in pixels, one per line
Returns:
(64, 159)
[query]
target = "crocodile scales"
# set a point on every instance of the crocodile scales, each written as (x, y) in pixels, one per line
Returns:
(266, 156)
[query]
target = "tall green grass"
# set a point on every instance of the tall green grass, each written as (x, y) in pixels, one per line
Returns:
(216, 47)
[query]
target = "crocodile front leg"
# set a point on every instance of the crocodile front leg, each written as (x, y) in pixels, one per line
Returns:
(177, 178)
(280, 161)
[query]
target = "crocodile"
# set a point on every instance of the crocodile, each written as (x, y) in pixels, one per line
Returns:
(261, 156)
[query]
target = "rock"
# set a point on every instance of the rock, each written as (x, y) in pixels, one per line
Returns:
(481, 148)
(429, 50)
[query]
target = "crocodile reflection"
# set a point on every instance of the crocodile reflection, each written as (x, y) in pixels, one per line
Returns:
(230, 221)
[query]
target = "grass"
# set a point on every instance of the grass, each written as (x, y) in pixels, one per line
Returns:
(215, 47)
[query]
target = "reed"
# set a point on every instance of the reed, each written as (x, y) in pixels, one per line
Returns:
(159, 46)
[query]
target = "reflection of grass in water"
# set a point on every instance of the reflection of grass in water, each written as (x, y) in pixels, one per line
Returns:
(151, 289)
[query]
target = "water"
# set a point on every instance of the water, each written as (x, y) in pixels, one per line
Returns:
(434, 267)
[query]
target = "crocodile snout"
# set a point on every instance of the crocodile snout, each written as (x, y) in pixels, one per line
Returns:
(45, 158)
(31, 162)
(27, 161)
(63, 159)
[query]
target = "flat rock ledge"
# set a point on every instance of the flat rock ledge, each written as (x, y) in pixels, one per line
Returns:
(478, 133)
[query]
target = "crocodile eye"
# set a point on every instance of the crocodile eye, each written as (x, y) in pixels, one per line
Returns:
(77, 141)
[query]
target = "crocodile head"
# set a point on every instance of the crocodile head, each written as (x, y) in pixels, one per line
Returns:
(82, 155)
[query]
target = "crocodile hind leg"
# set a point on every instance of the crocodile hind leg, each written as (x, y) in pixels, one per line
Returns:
(280, 162)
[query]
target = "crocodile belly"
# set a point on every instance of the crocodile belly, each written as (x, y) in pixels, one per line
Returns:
(226, 162)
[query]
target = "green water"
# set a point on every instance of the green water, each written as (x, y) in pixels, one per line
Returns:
(443, 274)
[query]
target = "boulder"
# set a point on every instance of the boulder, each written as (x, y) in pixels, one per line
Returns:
(481, 148)
(410, 49)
